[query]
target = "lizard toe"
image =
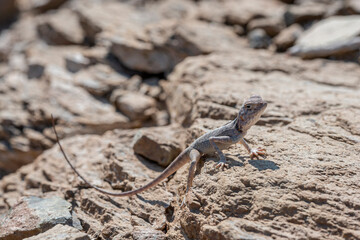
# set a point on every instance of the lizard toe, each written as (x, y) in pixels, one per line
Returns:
(257, 153)
(187, 199)
(184, 202)
(221, 165)
(262, 150)
(254, 155)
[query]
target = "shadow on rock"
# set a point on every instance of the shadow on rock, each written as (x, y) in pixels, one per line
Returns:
(233, 162)
(150, 164)
(262, 165)
(230, 161)
(153, 202)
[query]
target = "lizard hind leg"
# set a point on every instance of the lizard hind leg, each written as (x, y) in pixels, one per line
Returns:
(194, 159)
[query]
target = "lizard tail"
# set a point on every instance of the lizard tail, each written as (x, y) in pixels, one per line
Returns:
(181, 160)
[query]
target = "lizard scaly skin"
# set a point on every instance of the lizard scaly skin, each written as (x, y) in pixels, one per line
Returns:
(213, 141)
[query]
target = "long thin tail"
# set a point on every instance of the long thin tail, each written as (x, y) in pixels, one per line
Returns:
(181, 160)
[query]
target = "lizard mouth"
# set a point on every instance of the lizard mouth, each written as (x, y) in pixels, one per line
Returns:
(264, 105)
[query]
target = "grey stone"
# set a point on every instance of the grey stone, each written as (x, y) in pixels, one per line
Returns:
(33, 215)
(76, 62)
(258, 39)
(335, 35)
(35, 70)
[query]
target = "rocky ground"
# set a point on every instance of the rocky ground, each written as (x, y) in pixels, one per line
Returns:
(131, 83)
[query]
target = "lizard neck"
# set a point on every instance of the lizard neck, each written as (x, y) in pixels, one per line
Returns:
(238, 125)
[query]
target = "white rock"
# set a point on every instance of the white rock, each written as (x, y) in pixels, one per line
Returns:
(335, 35)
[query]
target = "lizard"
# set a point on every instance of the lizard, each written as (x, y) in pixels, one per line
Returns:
(214, 141)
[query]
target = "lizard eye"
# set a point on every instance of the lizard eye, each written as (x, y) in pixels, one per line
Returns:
(248, 106)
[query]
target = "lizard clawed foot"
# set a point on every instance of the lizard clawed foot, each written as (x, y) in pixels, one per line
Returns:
(221, 165)
(185, 201)
(257, 152)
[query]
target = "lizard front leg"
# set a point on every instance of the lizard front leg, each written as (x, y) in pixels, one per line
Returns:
(194, 158)
(253, 153)
(221, 140)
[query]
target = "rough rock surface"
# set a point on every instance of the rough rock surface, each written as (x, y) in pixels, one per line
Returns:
(293, 186)
(61, 232)
(176, 69)
(33, 215)
(108, 161)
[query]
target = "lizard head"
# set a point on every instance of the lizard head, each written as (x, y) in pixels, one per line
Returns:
(251, 111)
